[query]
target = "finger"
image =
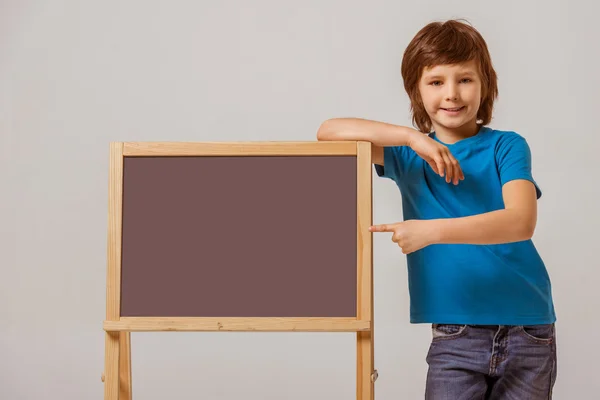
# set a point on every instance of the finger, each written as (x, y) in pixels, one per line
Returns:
(380, 228)
(456, 168)
(440, 165)
(462, 174)
(433, 166)
(404, 249)
(449, 169)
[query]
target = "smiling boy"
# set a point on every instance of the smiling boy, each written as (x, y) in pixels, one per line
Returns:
(470, 210)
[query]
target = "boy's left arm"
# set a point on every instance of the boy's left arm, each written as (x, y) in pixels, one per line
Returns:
(516, 222)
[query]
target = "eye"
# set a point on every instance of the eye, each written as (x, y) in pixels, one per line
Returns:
(435, 83)
(466, 79)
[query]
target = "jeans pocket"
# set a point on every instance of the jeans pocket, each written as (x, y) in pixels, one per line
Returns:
(448, 331)
(543, 334)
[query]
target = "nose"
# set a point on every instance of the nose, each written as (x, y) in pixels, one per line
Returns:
(452, 92)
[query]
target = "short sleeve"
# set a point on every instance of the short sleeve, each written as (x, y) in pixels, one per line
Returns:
(514, 161)
(391, 167)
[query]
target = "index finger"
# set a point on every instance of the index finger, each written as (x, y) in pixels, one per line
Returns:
(380, 228)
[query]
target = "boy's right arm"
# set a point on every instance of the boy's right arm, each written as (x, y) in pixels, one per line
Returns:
(382, 134)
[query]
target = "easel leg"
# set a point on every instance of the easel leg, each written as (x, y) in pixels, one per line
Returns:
(111, 366)
(125, 366)
(365, 372)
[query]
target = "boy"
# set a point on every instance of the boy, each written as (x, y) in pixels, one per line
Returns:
(470, 209)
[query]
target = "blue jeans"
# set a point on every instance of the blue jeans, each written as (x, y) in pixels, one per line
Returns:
(493, 362)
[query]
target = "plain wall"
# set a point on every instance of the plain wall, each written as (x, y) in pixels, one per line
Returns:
(75, 75)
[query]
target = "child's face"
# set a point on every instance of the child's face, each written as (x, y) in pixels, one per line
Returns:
(444, 88)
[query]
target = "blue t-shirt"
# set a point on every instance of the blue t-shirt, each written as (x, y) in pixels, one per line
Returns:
(500, 284)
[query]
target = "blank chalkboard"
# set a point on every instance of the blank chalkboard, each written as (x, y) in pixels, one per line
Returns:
(239, 236)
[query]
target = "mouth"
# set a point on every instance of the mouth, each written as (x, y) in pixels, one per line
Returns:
(453, 110)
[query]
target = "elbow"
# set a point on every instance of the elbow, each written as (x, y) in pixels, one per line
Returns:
(523, 224)
(527, 230)
(325, 132)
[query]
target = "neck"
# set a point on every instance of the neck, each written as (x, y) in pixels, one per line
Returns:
(453, 135)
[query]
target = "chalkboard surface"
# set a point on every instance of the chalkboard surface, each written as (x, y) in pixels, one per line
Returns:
(239, 236)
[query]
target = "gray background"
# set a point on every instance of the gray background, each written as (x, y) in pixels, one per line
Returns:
(75, 75)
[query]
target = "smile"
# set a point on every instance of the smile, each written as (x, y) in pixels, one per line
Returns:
(453, 110)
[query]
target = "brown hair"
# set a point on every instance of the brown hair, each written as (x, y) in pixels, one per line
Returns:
(449, 42)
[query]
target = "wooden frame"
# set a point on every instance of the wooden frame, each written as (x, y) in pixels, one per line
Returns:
(117, 369)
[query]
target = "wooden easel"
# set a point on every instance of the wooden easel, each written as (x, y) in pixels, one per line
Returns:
(117, 369)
